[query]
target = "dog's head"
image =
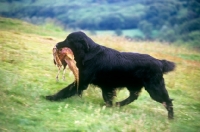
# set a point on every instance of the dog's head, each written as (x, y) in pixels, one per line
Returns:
(80, 44)
(76, 41)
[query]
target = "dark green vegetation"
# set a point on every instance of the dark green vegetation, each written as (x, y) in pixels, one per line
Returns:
(27, 74)
(169, 20)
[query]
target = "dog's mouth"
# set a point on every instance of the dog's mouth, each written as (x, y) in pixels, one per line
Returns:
(67, 55)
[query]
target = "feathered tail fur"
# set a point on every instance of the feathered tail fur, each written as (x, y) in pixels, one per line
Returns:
(168, 66)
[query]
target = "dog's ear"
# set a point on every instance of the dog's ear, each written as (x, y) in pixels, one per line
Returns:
(85, 44)
(79, 40)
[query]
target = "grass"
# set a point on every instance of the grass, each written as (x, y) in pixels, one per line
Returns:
(27, 74)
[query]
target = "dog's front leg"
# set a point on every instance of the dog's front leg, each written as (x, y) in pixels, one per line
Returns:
(108, 95)
(84, 80)
(66, 92)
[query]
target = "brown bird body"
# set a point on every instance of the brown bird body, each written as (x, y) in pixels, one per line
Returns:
(64, 57)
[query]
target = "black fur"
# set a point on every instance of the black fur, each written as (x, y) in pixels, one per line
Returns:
(110, 69)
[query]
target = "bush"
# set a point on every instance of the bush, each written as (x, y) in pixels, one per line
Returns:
(146, 28)
(118, 32)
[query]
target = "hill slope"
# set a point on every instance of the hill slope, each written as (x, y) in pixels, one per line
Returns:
(27, 74)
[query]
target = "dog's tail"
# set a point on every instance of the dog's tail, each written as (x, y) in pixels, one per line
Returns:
(168, 66)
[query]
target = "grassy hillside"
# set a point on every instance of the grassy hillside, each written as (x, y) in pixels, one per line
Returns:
(27, 74)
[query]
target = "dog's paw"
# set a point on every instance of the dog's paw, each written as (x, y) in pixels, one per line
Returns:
(117, 104)
(50, 98)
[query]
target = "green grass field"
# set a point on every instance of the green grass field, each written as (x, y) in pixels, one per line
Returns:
(27, 74)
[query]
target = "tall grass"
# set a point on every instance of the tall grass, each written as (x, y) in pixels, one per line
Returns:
(27, 74)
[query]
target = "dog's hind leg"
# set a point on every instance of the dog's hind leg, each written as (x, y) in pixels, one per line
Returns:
(156, 89)
(108, 95)
(133, 96)
(169, 106)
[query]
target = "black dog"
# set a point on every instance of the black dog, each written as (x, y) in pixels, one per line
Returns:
(110, 69)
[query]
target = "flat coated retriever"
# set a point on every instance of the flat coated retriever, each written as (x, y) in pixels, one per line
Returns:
(110, 69)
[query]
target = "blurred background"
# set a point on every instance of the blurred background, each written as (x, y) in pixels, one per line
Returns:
(173, 21)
